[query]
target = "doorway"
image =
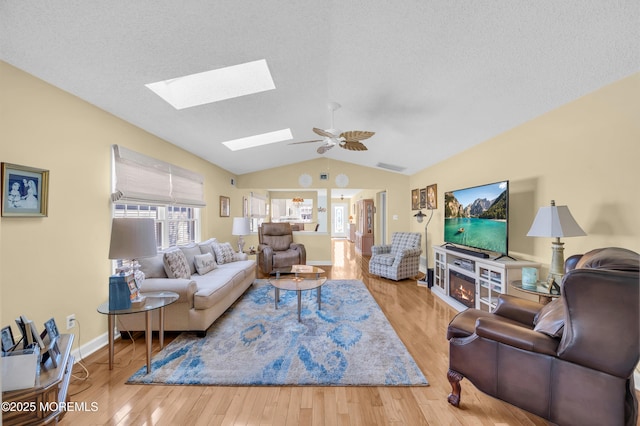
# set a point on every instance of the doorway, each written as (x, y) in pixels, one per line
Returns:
(339, 220)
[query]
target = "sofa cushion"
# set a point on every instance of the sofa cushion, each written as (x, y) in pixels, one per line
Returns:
(550, 319)
(207, 246)
(383, 259)
(190, 251)
(175, 264)
(153, 267)
(285, 258)
(224, 253)
(279, 242)
(204, 263)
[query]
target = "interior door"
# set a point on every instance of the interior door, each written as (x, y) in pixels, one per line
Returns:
(340, 220)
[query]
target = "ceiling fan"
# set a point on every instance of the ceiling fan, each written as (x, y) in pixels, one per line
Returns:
(350, 140)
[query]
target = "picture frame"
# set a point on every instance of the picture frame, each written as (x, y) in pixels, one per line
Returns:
(432, 197)
(415, 199)
(7, 339)
(51, 329)
(224, 206)
(423, 198)
(25, 191)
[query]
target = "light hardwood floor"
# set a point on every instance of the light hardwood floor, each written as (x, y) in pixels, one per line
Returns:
(419, 318)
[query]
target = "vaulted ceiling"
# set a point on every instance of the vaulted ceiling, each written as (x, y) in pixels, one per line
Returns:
(430, 77)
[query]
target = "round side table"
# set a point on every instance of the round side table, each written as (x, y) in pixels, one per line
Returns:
(153, 300)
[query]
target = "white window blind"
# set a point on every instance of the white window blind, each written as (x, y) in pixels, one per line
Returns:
(257, 210)
(141, 179)
(258, 206)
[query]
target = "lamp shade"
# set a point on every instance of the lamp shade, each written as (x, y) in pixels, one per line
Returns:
(240, 226)
(132, 238)
(555, 221)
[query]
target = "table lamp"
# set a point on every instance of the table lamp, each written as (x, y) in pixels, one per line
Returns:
(131, 239)
(555, 221)
(240, 228)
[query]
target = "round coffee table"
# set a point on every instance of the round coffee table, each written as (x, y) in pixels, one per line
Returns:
(305, 277)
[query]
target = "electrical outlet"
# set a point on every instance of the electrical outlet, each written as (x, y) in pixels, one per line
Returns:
(71, 321)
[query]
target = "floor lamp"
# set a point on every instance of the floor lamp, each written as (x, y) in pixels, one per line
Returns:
(420, 218)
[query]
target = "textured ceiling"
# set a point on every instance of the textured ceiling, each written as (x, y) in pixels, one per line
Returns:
(431, 78)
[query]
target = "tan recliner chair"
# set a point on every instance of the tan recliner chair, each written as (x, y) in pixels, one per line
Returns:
(571, 361)
(276, 248)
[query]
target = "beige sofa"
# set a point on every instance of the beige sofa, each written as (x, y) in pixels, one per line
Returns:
(203, 297)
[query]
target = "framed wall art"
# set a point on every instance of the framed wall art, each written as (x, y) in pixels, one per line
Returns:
(423, 198)
(224, 206)
(432, 197)
(415, 199)
(25, 191)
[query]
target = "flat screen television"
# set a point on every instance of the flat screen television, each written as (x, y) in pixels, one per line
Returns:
(477, 217)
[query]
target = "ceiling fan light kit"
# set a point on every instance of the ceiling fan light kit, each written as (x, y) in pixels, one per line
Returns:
(350, 140)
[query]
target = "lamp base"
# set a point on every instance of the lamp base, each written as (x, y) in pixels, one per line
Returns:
(240, 244)
(556, 270)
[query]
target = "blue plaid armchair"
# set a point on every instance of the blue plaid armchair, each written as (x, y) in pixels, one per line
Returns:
(398, 260)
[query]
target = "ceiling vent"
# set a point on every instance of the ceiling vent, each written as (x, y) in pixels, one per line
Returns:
(391, 167)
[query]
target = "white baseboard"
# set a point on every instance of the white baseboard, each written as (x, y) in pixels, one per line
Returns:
(319, 263)
(84, 350)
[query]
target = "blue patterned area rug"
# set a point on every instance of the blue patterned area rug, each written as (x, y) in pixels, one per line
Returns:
(348, 342)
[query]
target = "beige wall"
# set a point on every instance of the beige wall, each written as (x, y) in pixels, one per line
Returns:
(58, 265)
(584, 155)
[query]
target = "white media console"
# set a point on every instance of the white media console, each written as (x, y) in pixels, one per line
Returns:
(469, 279)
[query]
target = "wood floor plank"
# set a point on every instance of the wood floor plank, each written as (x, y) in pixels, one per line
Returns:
(419, 318)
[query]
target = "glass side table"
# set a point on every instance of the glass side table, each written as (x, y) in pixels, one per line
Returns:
(540, 289)
(153, 300)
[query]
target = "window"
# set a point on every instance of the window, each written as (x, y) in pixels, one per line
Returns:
(175, 225)
(146, 187)
(257, 210)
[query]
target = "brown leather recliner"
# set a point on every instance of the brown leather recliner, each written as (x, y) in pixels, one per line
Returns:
(571, 361)
(276, 248)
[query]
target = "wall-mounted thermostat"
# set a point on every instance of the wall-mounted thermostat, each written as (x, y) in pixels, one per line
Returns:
(324, 176)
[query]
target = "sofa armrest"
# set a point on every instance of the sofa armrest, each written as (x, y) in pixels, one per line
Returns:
(185, 288)
(517, 309)
(380, 249)
(301, 250)
(265, 258)
(410, 252)
(516, 336)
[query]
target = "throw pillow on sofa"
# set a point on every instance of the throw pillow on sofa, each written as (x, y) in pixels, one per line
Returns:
(205, 263)
(176, 265)
(224, 253)
(207, 246)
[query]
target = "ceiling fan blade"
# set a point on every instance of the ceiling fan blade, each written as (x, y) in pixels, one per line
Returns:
(296, 143)
(356, 135)
(353, 146)
(323, 133)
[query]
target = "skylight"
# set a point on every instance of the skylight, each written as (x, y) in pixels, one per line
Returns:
(215, 85)
(258, 140)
